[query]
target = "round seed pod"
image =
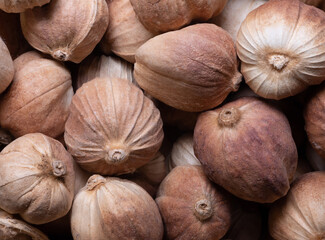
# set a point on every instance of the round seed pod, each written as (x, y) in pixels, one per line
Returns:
(163, 16)
(104, 66)
(11, 228)
(192, 69)
(114, 208)
(246, 147)
(282, 48)
(191, 206)
(314, 116)
(112, 127)
(125, 33)
(67, 30)
(18, 6)
(300, 214)
(7, 67)
(39, 97)
(36, 178)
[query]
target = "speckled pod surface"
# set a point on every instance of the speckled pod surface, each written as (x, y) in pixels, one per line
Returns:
(246, 147)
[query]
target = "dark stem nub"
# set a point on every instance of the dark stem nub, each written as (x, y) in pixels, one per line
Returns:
(203, 209)
(228, 117)
(94, 181)
(60, 55)
(58, 168)
(116, 156)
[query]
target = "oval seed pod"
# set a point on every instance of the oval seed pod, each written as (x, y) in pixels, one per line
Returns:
(301, 214)
(234, 14)
(67, 30)
(39, 97)
(183, 153)
(282, 48)
(192, 207)
(163, 16)
(192, 69)
(11, 228)
(246, 147)
(104, 66)
(125, 33)
(7, 67)
(36, 178)
(112, 127)
(314, 115)
(116, 209)
(18, 6)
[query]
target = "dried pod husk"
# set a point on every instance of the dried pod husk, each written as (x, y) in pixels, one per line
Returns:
(12, 35)
(25, 58)
(182, 152)
(234, 14)
(104, 66)
(125, 33)
(7, 67)
(112, 127)
(36, 178)
(67, 30)
(11, 228)
(281, 45)
(115, 208)
(192, 69)
(315, 160)
(18, 6)
(246, 147)
(38, 99)
(301, 214)
(163, 16)
(192, 207)
(314, 115)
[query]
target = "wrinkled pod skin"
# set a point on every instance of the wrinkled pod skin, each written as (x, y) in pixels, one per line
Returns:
(115, 209)
(112, 128)
(281, 45)
(36, 178)
(67, 30)
(166, 15)
(192, 69)
(248, 142)
(192, 207)
(301, 214)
